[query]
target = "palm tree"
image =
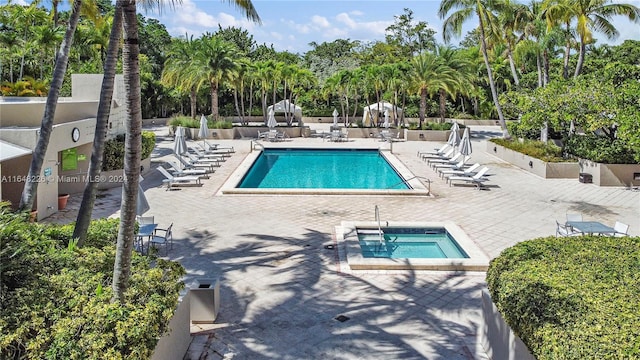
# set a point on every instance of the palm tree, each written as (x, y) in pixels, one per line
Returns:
(512, 20)
(102, 121)
(178, 72)
(556, 13)
(30, 186)
(465, 9)
(429, 75)
(214, 62)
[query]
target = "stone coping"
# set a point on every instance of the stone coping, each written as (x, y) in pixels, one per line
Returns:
(347, 234)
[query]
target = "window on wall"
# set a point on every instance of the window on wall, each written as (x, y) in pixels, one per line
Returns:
(70, 159)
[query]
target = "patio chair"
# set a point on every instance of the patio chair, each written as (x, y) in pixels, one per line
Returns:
(138, 244)
(204, 155)
(196, 160)
(188, 164)
(566, 230)
(476, 179)
(441, 151)
(470, 171)
(205, 151)
(574, 217)
(163, 237)
(171, 180)
(272, 135)
(457, 166)
(211, 146)
(621, 229)
(176, 171)
(452, 160)
(447, 154)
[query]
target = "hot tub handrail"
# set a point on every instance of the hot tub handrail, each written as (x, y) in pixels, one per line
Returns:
(377, 211)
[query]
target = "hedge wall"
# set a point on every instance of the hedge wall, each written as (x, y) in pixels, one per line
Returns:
(113, 157)
(55, 298)
(571, 298)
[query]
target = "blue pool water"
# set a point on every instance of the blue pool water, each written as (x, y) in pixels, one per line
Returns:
(410, 243)
(322, 169)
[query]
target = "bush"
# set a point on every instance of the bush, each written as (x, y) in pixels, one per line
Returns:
(113, 158)
(55, 298)
(185, 121)
(546, 152)
(221, 124)
(571, 298)
(600, 149)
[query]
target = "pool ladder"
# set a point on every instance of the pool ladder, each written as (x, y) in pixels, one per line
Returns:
(380, 233)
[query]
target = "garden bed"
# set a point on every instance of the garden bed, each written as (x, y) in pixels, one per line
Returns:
(546, 170)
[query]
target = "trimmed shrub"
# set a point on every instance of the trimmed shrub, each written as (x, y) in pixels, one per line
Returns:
(601, 149)
(546, 152)
(114, 150)
(571, 298)
(55, 297)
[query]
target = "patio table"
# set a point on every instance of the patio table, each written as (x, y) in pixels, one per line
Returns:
(591, 227)
(145, 231)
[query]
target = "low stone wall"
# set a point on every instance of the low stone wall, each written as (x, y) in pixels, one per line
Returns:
(496, 337)
(611, 174)
(251, 132)
(114, 178)
(547, 170)
(373, 133)
(175, 343)
(429, 135)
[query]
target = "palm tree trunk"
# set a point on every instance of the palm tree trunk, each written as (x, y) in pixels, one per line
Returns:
(30, 186)
(545, 68)
(193, 96)
(567, 54)
(492, 85)
(132, 148)
(214, 101)
(580, 59)
(102, 122)
(539, 67)
(423, 105)
(443, 104)
(512, 65)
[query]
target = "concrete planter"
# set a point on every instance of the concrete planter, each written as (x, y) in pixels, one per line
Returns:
(430, 135)
(113, 178)
(611, 174)
(547, 170)
(222, 134)
(373, 133)
(497, 338)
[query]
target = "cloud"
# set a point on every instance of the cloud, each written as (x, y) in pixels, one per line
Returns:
(320, 21)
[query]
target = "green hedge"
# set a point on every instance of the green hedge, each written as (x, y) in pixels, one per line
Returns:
(601, 149)
(571, 298)
(546, 152)
(113, 158)
(55, 298)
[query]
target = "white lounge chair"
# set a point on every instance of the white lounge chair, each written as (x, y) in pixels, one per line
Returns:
(452, 160)
(175, 171)
(470, 171)
(196, 160)
(566, 230)
(447, 154)
(476, 179)
(441, 151)
(456, 166)
(212, 147)
(178, 180)
(204, 155)
(188, 164)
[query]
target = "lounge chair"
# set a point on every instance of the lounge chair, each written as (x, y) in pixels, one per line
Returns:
(204, 155)
(211, 147)
(188, 164)
(447, 154)
(470, 171)
(175, 171)
(476, 179)
(178, 180)
(203, 149)
(441, 151)
(196, 160)
(452, 160)
(456, 166)
(338, 135)
(566, 230)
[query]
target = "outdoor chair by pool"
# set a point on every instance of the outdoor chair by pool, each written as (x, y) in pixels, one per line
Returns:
(211, 146)
(454, 166)
(163, 237)
(196, 160)
(188, 164)
(338, 135)
(621, 229)
(175, 171)
(441, 151)
(447, 154)
(470, 171)
(476, 179)
(574, 217)
(566, 230)
(202, 149)
(203, 155)
(452, 160)
(171, 180)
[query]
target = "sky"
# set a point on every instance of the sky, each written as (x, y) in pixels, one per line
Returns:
(291, 25)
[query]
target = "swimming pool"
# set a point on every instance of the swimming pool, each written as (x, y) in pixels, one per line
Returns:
(409, 246)
(267, 172)
(322, 169)
(409, 243)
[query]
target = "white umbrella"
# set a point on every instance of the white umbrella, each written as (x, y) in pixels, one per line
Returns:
(465, 143)
(203, 133)
(335, 117)
(454, 137)
(180, 145)
(386, 118)
(142, 205)
(271, 122)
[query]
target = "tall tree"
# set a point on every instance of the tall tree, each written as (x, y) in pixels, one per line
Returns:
(31, 185)
(462, 11)
(410, 36)
(102, 122)
(429, 75)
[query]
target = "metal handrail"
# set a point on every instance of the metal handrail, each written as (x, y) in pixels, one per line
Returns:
(405, 181)
(377, 211)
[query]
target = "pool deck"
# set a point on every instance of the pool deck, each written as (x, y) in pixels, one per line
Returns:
(281, 289)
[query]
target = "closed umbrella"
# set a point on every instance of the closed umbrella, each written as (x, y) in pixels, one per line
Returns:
(454, 137)
(335, 117)
(386, 119)
(465, 143)
(142, 205)
(180, 145)
(271, 122)
(203, 133)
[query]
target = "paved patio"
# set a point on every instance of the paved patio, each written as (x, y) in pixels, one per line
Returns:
(282, 290)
